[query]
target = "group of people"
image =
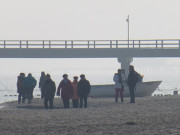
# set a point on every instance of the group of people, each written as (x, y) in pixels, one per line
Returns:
(25, 87)
(76, 90)
(120, 80)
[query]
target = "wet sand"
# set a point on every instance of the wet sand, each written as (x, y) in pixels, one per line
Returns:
(148, 116)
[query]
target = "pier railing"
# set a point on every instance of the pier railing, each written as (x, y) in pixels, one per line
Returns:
(142, 44)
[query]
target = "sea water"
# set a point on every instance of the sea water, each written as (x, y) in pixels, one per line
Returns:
(97, 71)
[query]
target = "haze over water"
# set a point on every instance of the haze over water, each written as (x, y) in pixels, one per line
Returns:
(89, 20)
(98, 71)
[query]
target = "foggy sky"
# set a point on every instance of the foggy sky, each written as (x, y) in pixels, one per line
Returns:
(89, 19)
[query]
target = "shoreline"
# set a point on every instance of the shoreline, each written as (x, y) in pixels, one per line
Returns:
(149, 115)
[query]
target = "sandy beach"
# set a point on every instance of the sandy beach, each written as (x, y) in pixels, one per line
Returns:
(148, 116)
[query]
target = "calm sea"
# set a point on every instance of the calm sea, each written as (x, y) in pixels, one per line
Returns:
(97, 71)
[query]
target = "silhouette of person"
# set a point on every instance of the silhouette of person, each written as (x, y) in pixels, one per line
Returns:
(42, 81)
(119, 79)
(75, 98)
(20, 88)
(84, 88)
(29, 85)
(131, 82)
(66, 90)
(49, 91)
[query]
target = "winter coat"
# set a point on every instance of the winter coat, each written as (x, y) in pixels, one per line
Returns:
(66, 89)
(132, 78)
(29, 82)
(42, 81)
(20, 87)
(75, 85)
(84, 88)
(119, 80)
(49, 89)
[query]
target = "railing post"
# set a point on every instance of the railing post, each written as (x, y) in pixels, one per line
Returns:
(139, 43)
(65, 44)
(179, 44)
(49, 44)
(156, 44)
(4, 44)
(43, 44)
(162, 44)
(110, 43)
(94, 43)
(116, 43)
(88, 43)
(72, 44)
(27, 44)
(133, 43)
(20, 45)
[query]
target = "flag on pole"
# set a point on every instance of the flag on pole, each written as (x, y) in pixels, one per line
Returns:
(127, 19)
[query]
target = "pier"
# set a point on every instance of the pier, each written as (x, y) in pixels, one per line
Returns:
(123, 50)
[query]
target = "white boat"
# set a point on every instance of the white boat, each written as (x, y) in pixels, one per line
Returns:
(108, 90)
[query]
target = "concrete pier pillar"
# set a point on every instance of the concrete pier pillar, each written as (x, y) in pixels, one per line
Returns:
(125, 62)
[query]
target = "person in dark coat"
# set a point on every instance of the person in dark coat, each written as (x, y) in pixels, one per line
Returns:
(131, 82)
(84, 88)
(42, 81)
(29, 85)
(66, 90)
(20, 88)
(49, 92)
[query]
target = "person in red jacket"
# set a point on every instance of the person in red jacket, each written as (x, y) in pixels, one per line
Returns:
(66, 90)
(75, 98)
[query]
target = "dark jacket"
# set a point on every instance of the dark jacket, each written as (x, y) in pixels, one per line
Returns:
(84, 88)
(42, 81)
(20, 87)
(132, 78)
(66, 89)
(29, 82)
(49, 89)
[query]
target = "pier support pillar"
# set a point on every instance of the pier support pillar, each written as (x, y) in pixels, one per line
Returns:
(125, 63)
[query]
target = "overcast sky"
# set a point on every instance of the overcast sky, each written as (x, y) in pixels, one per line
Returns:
(89, 19)
(86, 20)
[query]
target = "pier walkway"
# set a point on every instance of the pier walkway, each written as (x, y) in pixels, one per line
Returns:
(124, 50)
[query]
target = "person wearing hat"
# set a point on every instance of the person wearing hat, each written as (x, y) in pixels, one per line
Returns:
(75, 98)
(49, 92)
(84, 88)
(20, 88)
(66, 90)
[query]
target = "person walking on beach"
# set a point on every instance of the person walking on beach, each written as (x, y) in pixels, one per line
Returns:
(49, 92)
(20, 88)
(131, 82)
(119, 79)
(42, 81)
(84, 88)
(29, 85)
(66, 90)
(75, 98)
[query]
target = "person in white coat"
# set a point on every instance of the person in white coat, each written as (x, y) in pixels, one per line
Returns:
(119, 80)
